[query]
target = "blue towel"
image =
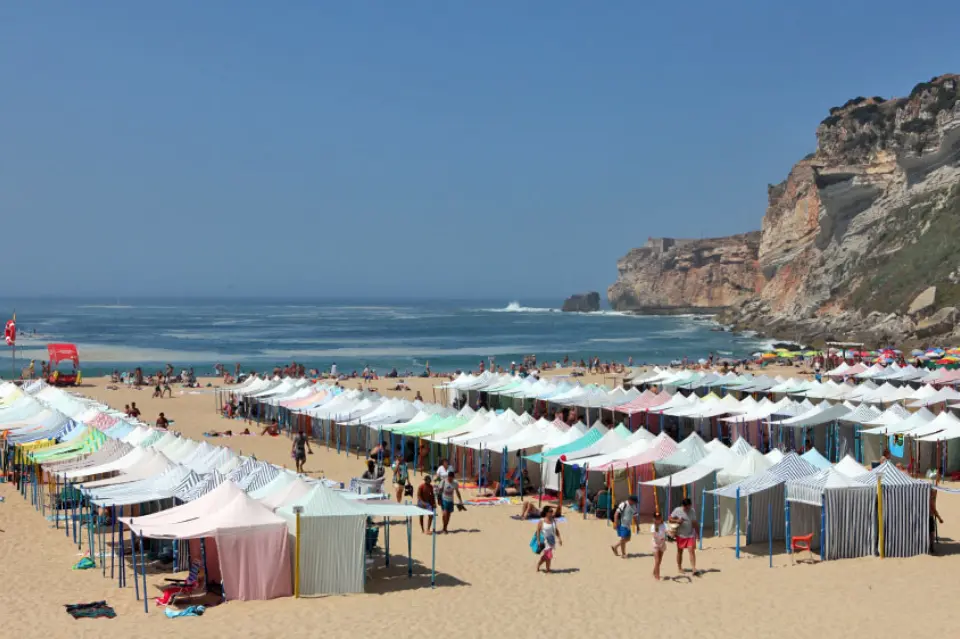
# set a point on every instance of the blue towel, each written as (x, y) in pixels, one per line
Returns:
(189, 611)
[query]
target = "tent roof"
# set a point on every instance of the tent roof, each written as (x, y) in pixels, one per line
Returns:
(850, 467)
(815, 459)
(790, 467)
(810, 489)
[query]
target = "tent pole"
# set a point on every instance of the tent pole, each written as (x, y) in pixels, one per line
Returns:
(823, 529)
(386, 536)
(296, 563)
(433, 561)
(786, 523)
(133, 559)
(738, 524)
(880, 516)
(143, 569)
(770, 530)
(703, 500)
(409, 547)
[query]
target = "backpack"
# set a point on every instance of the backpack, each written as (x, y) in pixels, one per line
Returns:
(619, 511)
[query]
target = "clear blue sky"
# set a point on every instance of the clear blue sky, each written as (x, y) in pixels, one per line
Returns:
(494, 149)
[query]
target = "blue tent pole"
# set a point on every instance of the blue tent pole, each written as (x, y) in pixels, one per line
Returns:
(416, 454)
(823, 529)
(716, 515)
(203, 558)
(143, 570)
(122, 573)
(113, 539)
(133, 558)
(73, 513)
(386, 537)
(409, 547)
(770, 530)
(503, 474)
(584, 479)
(433, 561)
(786, 524)
(738, 523)
(703, 500)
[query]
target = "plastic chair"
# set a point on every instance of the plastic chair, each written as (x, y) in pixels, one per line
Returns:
(801, 543)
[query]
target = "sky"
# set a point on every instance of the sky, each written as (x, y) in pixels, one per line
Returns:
(495, 149)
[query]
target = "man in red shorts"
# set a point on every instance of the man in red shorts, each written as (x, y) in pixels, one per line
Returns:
(687, 531)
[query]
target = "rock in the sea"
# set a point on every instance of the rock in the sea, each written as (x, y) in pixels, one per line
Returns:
(923, 302)
(583, 303)
(940, 323)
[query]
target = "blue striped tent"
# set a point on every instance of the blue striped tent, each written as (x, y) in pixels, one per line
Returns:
(764, 491)
(839, 507)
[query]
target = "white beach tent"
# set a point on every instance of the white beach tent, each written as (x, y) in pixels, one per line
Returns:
(332, 539)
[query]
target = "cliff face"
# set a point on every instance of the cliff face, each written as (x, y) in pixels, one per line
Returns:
(670, 274)
(853, 234)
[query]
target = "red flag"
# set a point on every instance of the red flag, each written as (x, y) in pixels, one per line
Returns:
(10, 332)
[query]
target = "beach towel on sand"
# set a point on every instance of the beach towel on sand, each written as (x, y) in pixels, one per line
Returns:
(189, 611)
(84, 564)
(90, 610)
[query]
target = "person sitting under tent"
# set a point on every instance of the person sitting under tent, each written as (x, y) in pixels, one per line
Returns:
(273, 429)
(511, 486)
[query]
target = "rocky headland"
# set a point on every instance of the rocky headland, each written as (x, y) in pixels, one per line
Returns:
(858, 243)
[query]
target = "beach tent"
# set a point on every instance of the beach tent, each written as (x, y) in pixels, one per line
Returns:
(850, 467)
(837, 509)
(760, 493)
(815, 459)
(906, 510)
(251, 542)
(332, 533)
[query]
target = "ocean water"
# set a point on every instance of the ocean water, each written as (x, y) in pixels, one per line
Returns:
(260, 334)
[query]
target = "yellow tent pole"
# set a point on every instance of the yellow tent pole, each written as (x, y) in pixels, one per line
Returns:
(880, 514)
(296, 561)
(656, 499)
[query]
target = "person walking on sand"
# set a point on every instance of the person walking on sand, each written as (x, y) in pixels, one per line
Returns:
(401, 476)
(550, 534)
(688, 528)
(659, 532)
(448, 488)
(622, 519)
(300, 447)
(426, 499)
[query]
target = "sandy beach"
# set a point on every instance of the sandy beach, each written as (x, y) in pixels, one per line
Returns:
(486, 584)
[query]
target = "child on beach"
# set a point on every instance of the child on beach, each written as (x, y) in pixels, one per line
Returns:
(659, 532)
(550, 533)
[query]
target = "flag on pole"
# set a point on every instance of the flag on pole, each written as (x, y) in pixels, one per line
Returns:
(10, 332)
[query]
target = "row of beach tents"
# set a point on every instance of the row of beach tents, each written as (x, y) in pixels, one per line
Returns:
(829, 499)
(79, 461)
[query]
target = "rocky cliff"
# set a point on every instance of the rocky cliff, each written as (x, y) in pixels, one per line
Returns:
(856, 231)
(680, 275)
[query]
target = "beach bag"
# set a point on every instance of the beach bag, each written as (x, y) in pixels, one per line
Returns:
(672, 529)
(536, 543)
